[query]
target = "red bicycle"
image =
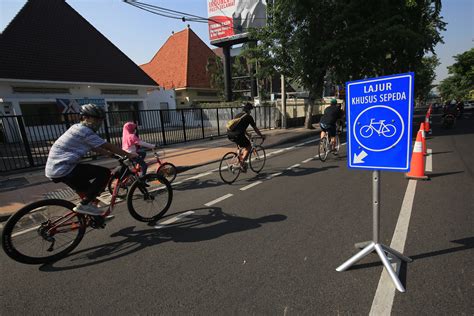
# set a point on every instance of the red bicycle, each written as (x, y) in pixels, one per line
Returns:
(165, 169)
(48, 230)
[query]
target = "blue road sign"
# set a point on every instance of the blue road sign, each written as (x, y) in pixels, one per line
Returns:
(379, 122)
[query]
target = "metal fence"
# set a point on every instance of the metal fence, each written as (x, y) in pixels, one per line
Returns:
(25, 141)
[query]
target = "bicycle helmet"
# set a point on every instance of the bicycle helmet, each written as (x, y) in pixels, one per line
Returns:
(247, 106)
(92, 110)
(333, 101)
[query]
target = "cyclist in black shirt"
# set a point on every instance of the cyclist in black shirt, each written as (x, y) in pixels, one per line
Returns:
(329, 119)
(238, 134)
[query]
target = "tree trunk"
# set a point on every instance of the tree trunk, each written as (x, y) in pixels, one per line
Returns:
(308, 122)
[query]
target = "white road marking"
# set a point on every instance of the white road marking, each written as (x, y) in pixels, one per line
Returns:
(199, 176)
(278, 151)
(307, 160)
(173, 219)
(218, 199)
(294, 166)
(250, 185)
(274, 175)
(176, 183)
(290, 148)
(383, 300)
(429, 160)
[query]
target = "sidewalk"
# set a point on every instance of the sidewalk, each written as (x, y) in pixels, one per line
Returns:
(19, 189)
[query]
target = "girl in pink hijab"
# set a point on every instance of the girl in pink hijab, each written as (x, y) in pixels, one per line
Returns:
(132, 144)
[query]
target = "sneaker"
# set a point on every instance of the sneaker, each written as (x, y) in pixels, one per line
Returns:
(87, 209)
(244, 167)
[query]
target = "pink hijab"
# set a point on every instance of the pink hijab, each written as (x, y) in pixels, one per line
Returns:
(128, 135)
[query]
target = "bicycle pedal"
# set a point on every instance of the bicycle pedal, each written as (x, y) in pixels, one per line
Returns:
(97, 222)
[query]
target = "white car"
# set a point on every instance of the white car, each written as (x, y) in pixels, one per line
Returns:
(469, 105)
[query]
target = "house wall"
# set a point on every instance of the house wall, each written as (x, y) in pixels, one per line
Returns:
(156, 99)
(188, 96)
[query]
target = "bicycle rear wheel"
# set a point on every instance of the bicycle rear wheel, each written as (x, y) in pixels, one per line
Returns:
(229, 167)
(323, 148)
(43, 231)
(167, 171)
(337, 146)
(149, 198)
(257, 159)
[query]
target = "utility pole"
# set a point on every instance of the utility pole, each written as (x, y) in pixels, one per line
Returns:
(283, 102)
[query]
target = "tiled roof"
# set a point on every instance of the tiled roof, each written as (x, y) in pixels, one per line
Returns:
(181, 62)
(50, 41)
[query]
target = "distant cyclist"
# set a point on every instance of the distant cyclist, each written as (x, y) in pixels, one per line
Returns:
(64, 165)
(238, 132)
(331, 115)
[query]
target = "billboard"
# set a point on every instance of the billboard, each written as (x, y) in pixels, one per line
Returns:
(232, 19)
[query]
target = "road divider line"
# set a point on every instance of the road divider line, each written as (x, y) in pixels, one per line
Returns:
(219, 199)
(278, 151)
(274, 175)
(294, 166)
(250, 185)
(199, 175)
(429, 160)
(383, 300)
(307, 160)
(173, 219)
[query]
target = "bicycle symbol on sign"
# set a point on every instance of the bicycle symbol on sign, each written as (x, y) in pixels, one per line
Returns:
(387, 130)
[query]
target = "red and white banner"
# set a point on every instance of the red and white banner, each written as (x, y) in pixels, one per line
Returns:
(232, 18)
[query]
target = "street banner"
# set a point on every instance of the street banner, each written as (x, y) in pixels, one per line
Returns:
(232, 19)
(379, 122)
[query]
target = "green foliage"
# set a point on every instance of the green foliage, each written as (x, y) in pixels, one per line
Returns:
(461, 81)
(425, 75)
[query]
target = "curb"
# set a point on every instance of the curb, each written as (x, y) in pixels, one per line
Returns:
(306, 134)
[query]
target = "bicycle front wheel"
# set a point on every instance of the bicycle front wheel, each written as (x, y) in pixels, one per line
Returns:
(43, 231)
(257, 159)
(168, 171)
(323, 149)
(229, 167)
(149, 198)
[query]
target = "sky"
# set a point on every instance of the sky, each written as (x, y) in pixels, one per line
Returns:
(140, 34)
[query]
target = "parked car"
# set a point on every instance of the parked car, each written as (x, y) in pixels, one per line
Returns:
(469, 105)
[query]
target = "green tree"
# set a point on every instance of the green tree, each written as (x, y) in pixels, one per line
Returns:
(461, 81)
(306, 39)
(425, 75)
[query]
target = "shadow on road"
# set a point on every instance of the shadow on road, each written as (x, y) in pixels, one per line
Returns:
(441, 174)
(205, 224)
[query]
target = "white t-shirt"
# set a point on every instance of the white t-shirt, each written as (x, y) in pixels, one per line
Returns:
(68, 150)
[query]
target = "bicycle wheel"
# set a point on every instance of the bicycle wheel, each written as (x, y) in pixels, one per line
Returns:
(167, 171)
(366, 131)
(43, 231)
(323, 148)
(149, 198)
(123, 189)
(257, 159)
(229, 167)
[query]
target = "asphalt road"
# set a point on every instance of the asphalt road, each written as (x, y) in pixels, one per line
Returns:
(272, 248)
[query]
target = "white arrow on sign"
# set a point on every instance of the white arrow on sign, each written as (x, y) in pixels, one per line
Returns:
(359, 158)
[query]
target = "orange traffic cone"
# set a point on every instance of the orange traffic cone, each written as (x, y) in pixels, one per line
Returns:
(417, 166)
(427, 124)
(423, 138)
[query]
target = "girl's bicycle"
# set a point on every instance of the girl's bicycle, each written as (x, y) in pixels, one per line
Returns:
(165, 169)
(47, 230)
(229, 167)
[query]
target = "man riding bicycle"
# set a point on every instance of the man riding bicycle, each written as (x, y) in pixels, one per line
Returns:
(63, 164)
(238, 132)
(331, 115)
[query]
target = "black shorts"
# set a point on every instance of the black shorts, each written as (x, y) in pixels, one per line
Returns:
(240, 139)
(330, 128)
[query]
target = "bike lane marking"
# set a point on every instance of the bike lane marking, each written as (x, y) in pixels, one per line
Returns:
(274, 175)
(429, 160)
(219, 199)
(250, 185)
(307, 160)
(173, 219)
(294, 166)
(385, 294)
(198, 176)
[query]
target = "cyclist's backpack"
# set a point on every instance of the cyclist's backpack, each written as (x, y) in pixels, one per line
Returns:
(231, 124)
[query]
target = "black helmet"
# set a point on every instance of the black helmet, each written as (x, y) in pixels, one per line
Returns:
(92, 110)
(247, 106)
